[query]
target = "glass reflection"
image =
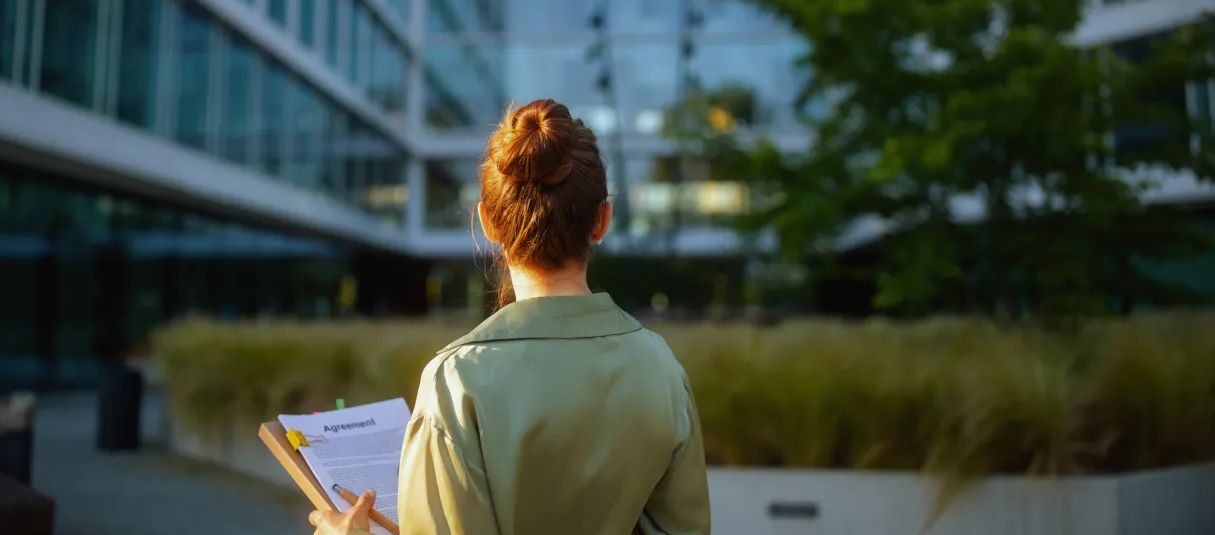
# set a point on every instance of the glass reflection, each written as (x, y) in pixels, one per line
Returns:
(452, 190)
(757, 73)
(304, 166)
(387, 75)
(332, 39)
(193, 47)
(307, 12)
(69, 40)
(465, 84)
(273, 124)
(8, 37)
(138, 64)
(218, 94)
(236, 131)
(278, 11)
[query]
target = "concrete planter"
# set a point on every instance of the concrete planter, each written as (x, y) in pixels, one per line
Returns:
(1178, 500)
(236, 447)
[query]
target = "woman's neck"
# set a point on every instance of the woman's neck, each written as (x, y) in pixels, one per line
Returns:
(567, 281)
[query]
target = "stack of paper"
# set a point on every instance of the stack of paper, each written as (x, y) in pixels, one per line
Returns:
(358, 448)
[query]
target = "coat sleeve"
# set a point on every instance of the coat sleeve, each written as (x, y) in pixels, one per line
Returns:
(443, 488)
(679, 504)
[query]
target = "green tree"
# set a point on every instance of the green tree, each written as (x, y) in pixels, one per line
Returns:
(995, 153)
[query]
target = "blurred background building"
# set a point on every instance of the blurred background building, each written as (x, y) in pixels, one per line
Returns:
(313, 158)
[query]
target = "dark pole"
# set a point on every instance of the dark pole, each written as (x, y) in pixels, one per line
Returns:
(46, 307)
(112, 301)
(602, 49)
(685, 86)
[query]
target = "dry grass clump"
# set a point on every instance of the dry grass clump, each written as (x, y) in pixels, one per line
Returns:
(262, 368)
(953, 396)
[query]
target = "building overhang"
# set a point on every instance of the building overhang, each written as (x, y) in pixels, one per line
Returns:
(45, 134)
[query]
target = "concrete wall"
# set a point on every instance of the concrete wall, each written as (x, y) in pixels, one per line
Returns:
(1176, 501)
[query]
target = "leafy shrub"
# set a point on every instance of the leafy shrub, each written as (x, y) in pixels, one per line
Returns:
(952, 396)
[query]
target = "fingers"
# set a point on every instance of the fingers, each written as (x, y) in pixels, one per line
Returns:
(364, 503)
(355, 517)
(358, 515)
(321, 519)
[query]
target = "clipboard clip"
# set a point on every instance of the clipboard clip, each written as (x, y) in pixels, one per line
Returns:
(297, 439)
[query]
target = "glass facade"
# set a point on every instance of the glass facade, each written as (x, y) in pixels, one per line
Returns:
(552, 49)
(70, 50)
(333, 34)
(307, 23)
(623, 67)
(359, 38)
(278, 11)
(87, 271)
(1144, 137)
(452, 192)
(180, 73)
(275, 121)
(386, 81)
(237, 142)
(194, 34)
(355, 40)
(8, 31)
(464, 85)
(454, 16)
(138, 67)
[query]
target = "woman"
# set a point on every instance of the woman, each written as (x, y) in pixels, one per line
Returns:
(560, 413)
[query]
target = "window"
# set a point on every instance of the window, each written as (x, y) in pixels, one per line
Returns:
(308, 22)
(451, 193)
(332, 39)
(332, 150)
(387, 73)
(236, 127)
(69, 47)
(137, 64)
(305, 112)
(464, 82)
(194, 43)
(441, 18)
(1138, 139)
(360, 46)
(357, 135)
(278, 11)
(400, 8)
(8, 37)
(274, 124)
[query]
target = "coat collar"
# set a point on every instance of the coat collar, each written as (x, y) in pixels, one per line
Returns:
(567, 316)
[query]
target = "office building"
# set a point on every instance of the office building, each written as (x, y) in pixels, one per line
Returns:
(316, 158)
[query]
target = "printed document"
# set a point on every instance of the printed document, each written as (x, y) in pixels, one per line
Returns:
(358, 448)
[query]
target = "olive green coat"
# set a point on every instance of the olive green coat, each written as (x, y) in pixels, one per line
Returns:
(555, 415)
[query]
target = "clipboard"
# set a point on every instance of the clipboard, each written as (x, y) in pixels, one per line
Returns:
(284, 444)
(274, 436)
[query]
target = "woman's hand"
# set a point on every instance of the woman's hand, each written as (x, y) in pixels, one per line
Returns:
(335, 523)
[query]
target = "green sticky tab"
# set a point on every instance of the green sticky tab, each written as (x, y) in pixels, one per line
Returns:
(341, 403)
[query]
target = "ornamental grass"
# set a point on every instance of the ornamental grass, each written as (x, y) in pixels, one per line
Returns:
(956, 397)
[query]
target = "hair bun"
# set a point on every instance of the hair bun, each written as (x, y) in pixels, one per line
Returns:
(535, 143)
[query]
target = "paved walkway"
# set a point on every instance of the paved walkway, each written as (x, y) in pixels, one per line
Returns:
(150, 491)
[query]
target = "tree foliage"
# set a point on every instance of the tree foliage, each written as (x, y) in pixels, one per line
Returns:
(1004, 163)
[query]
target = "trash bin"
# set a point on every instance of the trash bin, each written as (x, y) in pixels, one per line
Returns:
(17, 435)
(118, 403)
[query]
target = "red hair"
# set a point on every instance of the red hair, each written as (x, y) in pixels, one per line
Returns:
(542, 183)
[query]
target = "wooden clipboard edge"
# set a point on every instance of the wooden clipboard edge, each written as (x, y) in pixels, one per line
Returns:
(274, 436)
